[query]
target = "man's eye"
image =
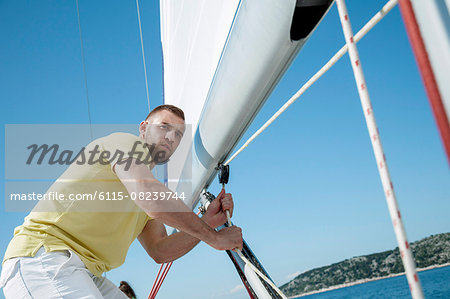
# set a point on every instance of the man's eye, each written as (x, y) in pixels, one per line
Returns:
(163, 127)
(179, 135)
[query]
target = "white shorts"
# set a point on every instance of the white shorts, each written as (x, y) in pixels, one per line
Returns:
(58, 274)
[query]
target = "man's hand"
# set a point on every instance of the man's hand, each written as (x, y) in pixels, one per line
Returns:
(215, 216)
(229, 238)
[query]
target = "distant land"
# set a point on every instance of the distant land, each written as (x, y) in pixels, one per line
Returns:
(430, 252)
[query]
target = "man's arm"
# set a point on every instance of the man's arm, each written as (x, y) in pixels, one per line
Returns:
(138, 178)
(163, 248)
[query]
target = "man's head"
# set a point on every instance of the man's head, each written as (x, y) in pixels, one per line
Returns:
(162, 131)
(127, 290)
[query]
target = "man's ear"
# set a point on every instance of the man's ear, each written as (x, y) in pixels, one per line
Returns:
(143, 127)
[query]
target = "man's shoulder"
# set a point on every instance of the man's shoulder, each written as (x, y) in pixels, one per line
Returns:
(122, 145)
(121, 137)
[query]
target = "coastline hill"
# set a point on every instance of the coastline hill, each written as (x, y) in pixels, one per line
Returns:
(430, 251)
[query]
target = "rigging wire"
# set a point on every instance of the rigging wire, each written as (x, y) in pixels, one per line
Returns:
(143, 53)
(83, 61)
(369, 25)
(256, 270)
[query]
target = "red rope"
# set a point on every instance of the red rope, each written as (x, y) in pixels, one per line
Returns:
(163, 276)
(150, 296)
(159, 280)
(415, 38)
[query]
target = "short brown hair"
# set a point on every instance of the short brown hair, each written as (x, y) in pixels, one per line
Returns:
(127, 290)
(174, 109)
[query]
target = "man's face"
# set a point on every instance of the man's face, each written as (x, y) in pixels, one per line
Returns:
(162, 132)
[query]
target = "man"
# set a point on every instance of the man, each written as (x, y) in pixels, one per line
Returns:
(64, 246)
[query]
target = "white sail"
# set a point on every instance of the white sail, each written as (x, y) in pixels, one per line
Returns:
(223, 59)
(193, 34)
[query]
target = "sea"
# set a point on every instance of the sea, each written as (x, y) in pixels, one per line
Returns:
(435, 284)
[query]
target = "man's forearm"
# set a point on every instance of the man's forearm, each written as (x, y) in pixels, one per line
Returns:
(175, 246)
(175, 213)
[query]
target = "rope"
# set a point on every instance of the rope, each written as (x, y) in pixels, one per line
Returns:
(265, 278)
(143, 54)
(405, 249)
(155, 284)
(369, 25)
(163, 277)
(84, 70)
(159, 280)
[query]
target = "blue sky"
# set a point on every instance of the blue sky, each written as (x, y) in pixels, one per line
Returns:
(307, 191)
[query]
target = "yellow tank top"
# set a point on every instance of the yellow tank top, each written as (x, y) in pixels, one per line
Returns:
(99, 228)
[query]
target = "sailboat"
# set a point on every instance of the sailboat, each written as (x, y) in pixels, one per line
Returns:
(222, 60)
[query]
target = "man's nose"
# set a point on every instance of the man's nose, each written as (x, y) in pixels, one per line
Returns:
(170, 136)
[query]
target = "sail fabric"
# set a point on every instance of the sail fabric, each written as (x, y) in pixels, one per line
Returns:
(222, 60)
(193, 34)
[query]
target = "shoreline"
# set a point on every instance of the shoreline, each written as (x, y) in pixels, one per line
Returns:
(361, 281)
